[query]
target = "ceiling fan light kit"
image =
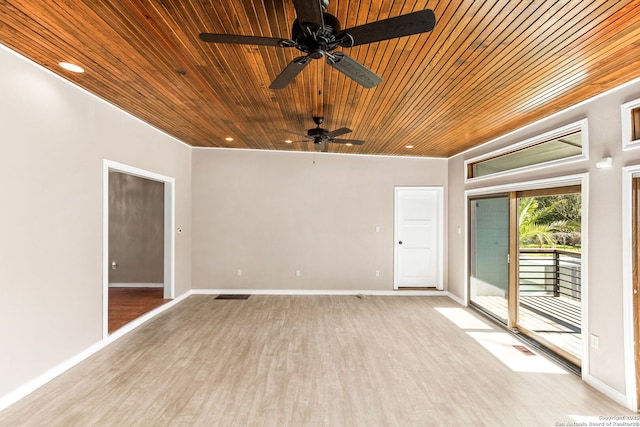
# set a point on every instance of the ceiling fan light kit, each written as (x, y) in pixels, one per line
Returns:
(318, 33)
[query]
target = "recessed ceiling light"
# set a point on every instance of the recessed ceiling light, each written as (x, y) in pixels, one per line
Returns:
(228, 138)
(71, 67)
(408, 146)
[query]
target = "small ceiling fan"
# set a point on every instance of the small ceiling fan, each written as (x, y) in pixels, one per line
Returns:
(322, 137)
(318, 34)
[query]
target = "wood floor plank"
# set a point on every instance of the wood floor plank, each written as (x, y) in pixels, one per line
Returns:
(304, 361)
(127, 304)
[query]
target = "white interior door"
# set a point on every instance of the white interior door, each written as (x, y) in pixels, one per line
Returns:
(418, 237)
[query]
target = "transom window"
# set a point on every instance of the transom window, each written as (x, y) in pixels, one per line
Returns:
(559, 146)
(631, 124)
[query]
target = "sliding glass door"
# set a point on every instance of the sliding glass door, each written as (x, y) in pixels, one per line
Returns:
(489, 260)
(525, 264)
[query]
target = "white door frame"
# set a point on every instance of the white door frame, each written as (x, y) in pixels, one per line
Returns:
(169, 226)
(629, 325)
(439, 190)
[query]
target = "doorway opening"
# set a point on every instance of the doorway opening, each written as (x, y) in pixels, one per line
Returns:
(525, 265)
(138, 253)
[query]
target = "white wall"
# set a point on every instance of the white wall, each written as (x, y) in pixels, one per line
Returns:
(605, 365)
(272, 213)
(53, 139)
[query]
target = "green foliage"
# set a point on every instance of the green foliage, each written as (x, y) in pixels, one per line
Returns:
(549, 221)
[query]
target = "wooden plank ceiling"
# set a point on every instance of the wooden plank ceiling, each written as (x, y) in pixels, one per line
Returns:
(489, 67)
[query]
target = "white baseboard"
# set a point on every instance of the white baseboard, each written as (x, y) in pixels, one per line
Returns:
(317, 292)
(457, 299)
(31, 386)
(607, 390)
(136, 285)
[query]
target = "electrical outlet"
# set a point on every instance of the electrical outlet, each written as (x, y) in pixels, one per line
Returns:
(239, 272)
(595, 341)
(298, 273)
(377, 273)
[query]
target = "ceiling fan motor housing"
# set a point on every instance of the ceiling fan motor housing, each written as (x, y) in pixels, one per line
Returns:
(317, 41)
(317, 132)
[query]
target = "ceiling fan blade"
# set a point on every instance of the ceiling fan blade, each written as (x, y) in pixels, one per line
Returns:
(290, 72)
(299, 134)
(338, 132)
(354, 70)
(347, 141)
(399, 26)
(309, 13)
(236, 39)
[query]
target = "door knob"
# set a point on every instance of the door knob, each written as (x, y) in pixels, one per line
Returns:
(400, 242)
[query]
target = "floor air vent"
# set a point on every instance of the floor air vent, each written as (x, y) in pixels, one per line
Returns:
(524, 350)
(233, 296)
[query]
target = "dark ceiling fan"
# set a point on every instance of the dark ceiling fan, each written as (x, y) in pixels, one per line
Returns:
(318, 34)
(322, 137)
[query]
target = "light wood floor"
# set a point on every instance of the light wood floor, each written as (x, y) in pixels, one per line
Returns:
(305, 361)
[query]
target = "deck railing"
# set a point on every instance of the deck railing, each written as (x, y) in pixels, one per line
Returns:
(550, 272)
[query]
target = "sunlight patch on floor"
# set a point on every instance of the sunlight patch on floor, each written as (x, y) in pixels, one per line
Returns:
(462, 318)
(501, 345)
